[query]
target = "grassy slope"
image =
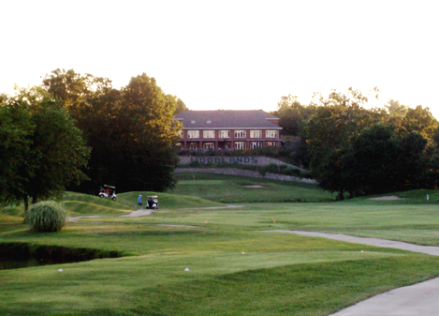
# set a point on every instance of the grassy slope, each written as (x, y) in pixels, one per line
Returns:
(127, 202)
(235, 267)
(230, 189)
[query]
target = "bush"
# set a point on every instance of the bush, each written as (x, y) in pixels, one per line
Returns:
(12, 210)
(46, 217)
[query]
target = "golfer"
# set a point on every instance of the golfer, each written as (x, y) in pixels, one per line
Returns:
(139, 201)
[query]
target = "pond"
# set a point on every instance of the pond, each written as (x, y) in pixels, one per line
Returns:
(23, 255)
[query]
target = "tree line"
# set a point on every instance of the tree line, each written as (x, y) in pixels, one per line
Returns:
(356, 151)
(78, 132)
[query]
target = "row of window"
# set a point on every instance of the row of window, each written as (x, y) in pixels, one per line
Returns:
(236, 145)
(237, 134)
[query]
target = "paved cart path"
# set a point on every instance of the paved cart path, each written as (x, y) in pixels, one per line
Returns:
(421, 299)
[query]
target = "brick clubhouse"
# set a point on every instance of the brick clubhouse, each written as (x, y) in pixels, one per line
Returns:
(228, 130)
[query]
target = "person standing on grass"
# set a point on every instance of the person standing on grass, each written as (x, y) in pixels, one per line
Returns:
(139, 201)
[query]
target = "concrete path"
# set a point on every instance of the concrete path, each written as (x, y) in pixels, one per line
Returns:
(421, 299)
(138, 213)
(434, 251)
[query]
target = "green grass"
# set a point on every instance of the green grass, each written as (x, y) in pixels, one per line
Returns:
(230, 189)
(80, 204)
(235, 266)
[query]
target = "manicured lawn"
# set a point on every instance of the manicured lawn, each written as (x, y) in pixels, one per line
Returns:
(235, 267)
(230, 189)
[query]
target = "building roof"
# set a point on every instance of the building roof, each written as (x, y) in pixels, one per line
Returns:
(224, 119)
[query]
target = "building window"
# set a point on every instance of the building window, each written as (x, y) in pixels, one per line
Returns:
(256, 134)
(193, 134)
(240, 134)
(256, 145)
(224, 134)
(271, 144)
(193, 146)
(181, 134)
(208, 134)
(193, 122)
(239, 145)
(208, 146)
(271, 134)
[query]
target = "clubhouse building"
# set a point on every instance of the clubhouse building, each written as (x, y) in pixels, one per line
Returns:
(228, 129)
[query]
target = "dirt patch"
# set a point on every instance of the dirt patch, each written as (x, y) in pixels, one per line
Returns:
(386, 198)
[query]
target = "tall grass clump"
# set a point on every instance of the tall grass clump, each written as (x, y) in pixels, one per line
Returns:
(46, 216)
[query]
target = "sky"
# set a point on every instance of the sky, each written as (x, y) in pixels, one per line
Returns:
(238, 54)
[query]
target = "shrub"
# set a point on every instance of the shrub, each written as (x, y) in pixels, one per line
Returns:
(46, 217)
(12, 210)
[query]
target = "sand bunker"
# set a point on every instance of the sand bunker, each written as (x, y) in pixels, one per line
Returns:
(386, 198)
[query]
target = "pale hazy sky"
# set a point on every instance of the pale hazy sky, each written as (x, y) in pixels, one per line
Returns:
(224, 54)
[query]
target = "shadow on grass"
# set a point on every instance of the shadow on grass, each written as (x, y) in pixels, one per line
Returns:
(304, 289)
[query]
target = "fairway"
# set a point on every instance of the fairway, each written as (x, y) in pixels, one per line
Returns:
(207, 251)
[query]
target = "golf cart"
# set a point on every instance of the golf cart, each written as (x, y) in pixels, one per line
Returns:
(108, 191)
(152, 202)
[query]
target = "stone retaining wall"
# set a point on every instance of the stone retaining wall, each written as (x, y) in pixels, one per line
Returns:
(244, 160)
(244, 173)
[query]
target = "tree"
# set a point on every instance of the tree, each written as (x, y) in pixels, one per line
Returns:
(432, 161)
(180, 106)
(413, 162)
(331, 173)
(49, 150)
(293, 118)
(386, 162)
(377, 156)
(419, 120)
(152, 155)
(395, 109)
(336, 120)
(131, 131)
(73, 89)
(15, 131)
(292, 115)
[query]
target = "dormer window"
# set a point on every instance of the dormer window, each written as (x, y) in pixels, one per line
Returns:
(209, 122)
(193, 122)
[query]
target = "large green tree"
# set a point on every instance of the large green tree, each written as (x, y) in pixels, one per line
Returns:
(152, 136)
(385, 161)
(131, 131)
(336, 119)
(16, 128)
(45, 150)
(419, 120)
(375, 159)
(364, 151)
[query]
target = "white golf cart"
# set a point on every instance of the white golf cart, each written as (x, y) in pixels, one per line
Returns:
(108, 191)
